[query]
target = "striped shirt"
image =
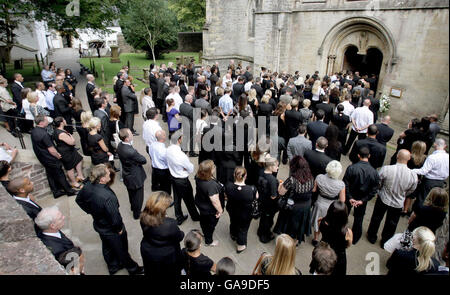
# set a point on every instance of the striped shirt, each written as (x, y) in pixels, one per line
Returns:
(397, 181)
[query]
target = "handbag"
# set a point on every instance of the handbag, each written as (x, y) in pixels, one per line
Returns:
(257, 269)
(256, 211)
(116, 140)
(285, 203)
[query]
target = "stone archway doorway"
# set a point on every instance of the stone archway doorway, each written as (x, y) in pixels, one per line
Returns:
(366, 64)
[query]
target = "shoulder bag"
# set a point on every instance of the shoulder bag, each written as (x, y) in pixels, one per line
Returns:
(257, 270)
(256, 212)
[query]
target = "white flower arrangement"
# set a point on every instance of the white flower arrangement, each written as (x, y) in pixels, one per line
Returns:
(385, 103)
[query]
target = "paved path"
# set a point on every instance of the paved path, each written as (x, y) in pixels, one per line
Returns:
(79, 225)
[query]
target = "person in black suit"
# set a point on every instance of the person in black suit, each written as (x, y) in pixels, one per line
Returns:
(62, 108)
(327, 108)
(374, 105)
(153, 78)
(129, 103)
(49, 157)
(21, 189)
(187, 111)
(317, 159)
(238, 89)
(259, 90)
(227, 160)
(385, 132)
(50, 222)
(16, 89)
(103, 115)
(293, 118)
(377, 150)
(317, 128)
(133, 173)
(160, 245)
(104, 208)
(90, 86)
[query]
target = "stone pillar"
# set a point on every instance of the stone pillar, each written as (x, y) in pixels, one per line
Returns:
(115, 54)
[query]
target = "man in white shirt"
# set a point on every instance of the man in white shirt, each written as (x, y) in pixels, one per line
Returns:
(180, 167)
(361, 118)
(348, 107)
(249, 84)
(40, 89)
(397, 182)
(150, 127)
(160, 170)
(175, 95)
(435, 170)
(49, 95)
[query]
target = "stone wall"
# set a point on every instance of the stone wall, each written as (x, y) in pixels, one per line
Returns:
(21, 252)
(293, 35)
(190, 41)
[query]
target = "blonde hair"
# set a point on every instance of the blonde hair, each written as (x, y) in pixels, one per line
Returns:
(306, 103)
(155, 208)
(334, 169)
(93, 123)
(418, 150)
(423, 239)
(252, 95)
(316, 87)
(265, 98)
(283, 260)
(85, 117)
(239, 173)
(269, 93)
(32, 96)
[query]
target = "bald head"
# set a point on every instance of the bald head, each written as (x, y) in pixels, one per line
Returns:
(188, 98)
(321, 143)
(403, 156)
(366, 102)
(160, 136)
(386, 119)
(440, 144)
(90, 77)
(20, 186)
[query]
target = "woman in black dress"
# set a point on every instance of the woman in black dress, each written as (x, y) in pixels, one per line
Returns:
(265, 110)
(115, 125)
(83, 131)
(283, 137)
(407, 138)
(336, 233)
(342, 122)
(239, 206)
(334, 148)
(160, 245)
(71, 159)
(295, 218)
(70, 78)
(77, 108)
(208, 200)
(97, 147)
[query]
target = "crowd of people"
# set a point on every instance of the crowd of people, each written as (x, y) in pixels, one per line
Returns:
(319, 120)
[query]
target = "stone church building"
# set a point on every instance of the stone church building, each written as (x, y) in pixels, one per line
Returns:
(405, 43)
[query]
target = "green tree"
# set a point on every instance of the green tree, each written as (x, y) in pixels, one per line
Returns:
(190, 13)
(149, 25)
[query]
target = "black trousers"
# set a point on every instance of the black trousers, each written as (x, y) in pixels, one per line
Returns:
(390, 224)
(129, 120)
(182, 189)
(265, 223)
(57, 180)
(239, 228)
(161, 180)
(208, 224)
(115, 251)
(136, 197)
(358, 218)
(351, 139)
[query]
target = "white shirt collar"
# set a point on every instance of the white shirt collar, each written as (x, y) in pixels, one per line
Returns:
(17, 82)
(27, 199)
(56, 235)
(126, 143)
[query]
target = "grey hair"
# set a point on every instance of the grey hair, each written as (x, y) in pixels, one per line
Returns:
(440, 143)
(334, 169)
(45, 218)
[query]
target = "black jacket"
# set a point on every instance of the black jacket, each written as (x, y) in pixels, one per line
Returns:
(328, 109)
(56, 245)
(377, 151)
(118, 91)
(317, 161)
(104, 118)
(259, 91)
(188, 111)
(238, 89)
(129, 100)
(132, 171)
(17, 96)
(361, 181)
(62, 108)
(153, 84)
(315, 130)
(90, 96)
(159, 93)
(385, 133)
(31, 210)
(293, 119)
(104, 208)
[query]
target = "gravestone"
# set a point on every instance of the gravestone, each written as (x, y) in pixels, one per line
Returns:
(115, 54)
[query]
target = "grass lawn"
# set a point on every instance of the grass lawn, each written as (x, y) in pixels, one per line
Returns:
(137, 63)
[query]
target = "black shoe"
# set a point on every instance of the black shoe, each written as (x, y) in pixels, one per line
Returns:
(193, 154)
(114, 271)
(233, 238)
(135, 133)
(315, 242)
(139, 271)
(59, 194)
(372, 240)
(71, 193)
(182, 219)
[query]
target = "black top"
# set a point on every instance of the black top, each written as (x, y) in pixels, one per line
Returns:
(265, 109)
(56, 245)
(41, 142)
(335, 237)
(315, 130)
(240, 198)
(112, 127)
(293, 119)
(334, 151)
(132, 171)
(104, 208)
(97, 154)
(204, 190)
(317, 161)
(62, 146)
(361, 181)
(328, 109)
(385, 133)
(412, 165)
(196, 266)
(377, 151)
(428, 216)
(77, 117)
(341, 121)
(166, 234)
(267, 188)
(412, 135)
(282, 130)
(30, 209)
(404, 263)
